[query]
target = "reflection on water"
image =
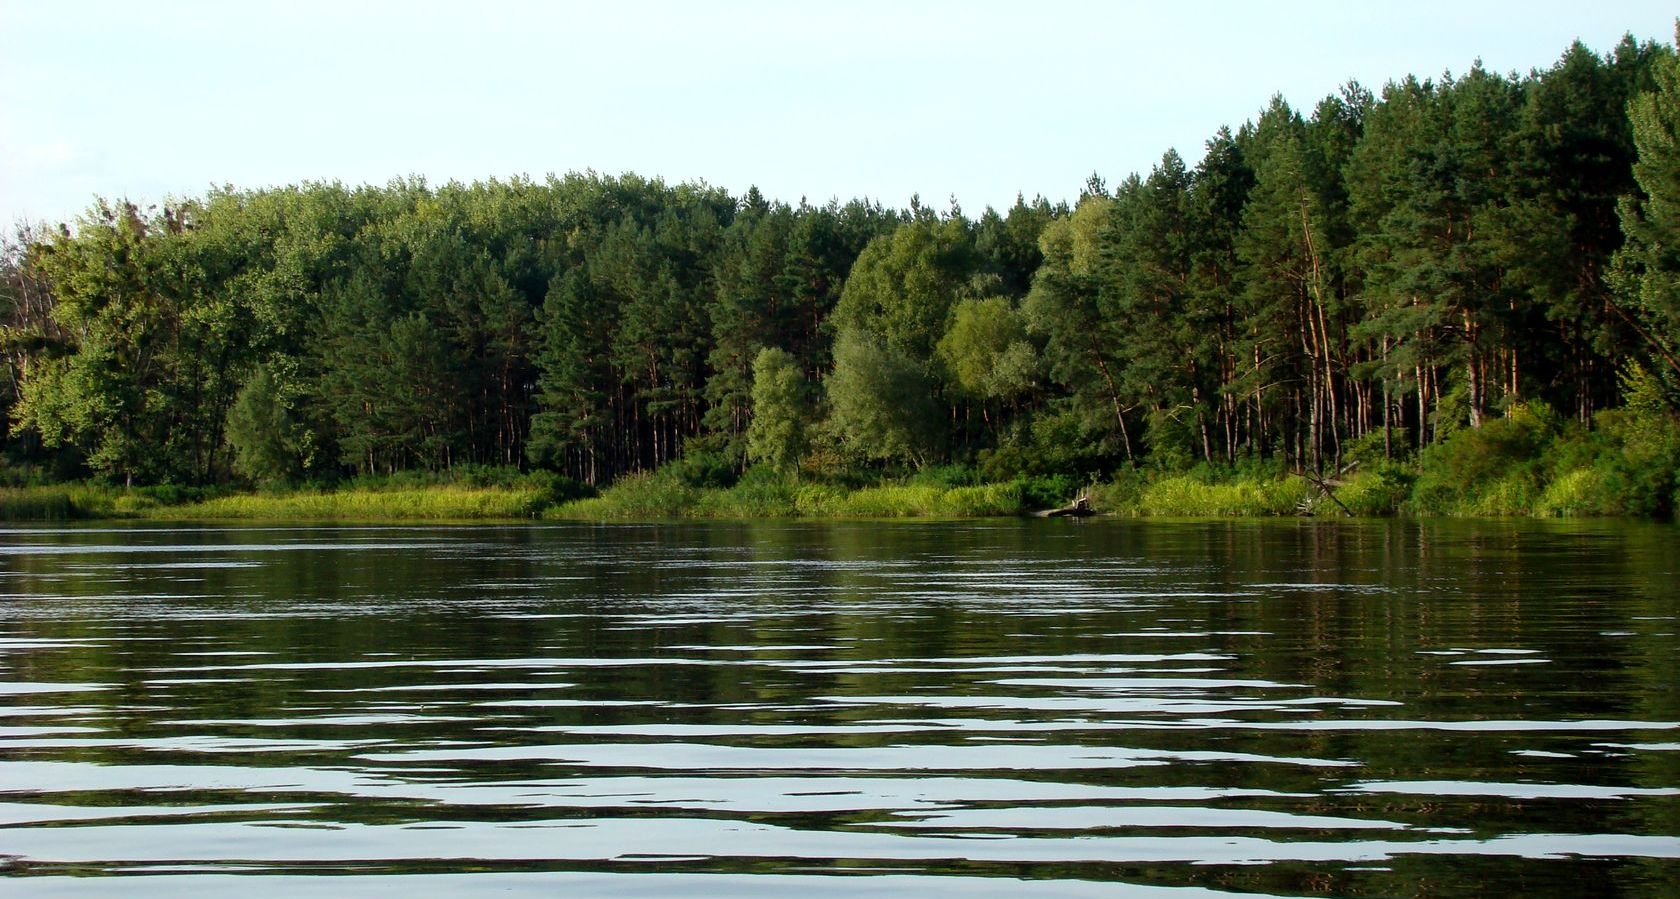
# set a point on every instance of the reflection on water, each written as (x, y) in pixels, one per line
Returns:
(983, 709)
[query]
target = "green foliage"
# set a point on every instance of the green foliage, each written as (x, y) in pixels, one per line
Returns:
(427, 504)
(986, 349)
(1046, 491)
(781, 411)
(946, 476)
(903, 285)
(761, 493)
(1634, 459)
(643, 496)
(1496, 469)
(1379, 489)
(36, 504)
(1081, 343)
(1411, 266)
(1188, 497)
(879, 401)
(981, 501)
(1648, 268)
(702, 469)
(1049, 443)
(1580, 492)
(261, 431)
(887, 501)
(1122, 495)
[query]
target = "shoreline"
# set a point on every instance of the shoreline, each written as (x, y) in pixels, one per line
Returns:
(657, 497)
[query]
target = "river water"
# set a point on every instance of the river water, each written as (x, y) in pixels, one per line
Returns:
(994, 708)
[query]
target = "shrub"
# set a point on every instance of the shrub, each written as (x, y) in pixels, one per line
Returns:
(946, 476)
(1504, 458)
(1050, 443)
(703, 470)
(1579, 492)
(760, 493)
(888, 501)
(1046, 491)
(641, 495)
(1638, 460)
(1379, 490)
(1122, 494)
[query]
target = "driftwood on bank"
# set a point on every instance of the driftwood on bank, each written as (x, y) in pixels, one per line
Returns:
(1079, 508)
(1325, 486)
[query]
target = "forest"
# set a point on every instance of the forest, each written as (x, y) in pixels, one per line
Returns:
(1454, 281)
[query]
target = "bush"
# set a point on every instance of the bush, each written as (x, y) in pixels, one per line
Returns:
(1122, 495)
(642, 495)
(1046, 491)
(703, 470)
(946, 476)
(1579, 492)
(908, 500)
(1503, 459)
(555, 488)
(1051, 443)
(760, 493)
(1638, 460)
(1380, 490)
(888, 501)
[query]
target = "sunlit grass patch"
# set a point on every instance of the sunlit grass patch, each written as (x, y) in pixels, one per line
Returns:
(1187, 497)
(440, 503)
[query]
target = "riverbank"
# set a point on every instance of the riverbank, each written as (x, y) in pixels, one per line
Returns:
(428, 503)
(1384, 490)
(1526, 464)
(660, 496)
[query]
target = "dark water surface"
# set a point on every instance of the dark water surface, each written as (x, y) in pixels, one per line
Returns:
(970, 708)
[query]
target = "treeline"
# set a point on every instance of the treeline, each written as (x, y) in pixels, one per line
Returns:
(1381, 271)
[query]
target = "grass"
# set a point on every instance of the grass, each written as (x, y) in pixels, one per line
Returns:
(1527, 463)
(662, 496)
(69, 502)
(665, 495)
(435, 503)
(1183, 496)
(37, 504)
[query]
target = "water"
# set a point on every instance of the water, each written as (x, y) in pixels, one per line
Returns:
(975, 708)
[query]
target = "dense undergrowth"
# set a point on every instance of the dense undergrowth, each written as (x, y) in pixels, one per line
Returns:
(1529, 462)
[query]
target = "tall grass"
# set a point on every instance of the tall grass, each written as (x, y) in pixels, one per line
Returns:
(641, 496)
(37, 504)
(1188, 497)
(78, 501)
(438, 503)
(1382, 490)
(662, 496)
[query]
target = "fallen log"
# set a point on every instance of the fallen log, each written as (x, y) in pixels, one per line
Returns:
(1079, 508)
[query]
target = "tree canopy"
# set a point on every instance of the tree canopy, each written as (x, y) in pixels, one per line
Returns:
(1380, 267)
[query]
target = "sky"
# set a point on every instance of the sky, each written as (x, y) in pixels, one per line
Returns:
(970, 99)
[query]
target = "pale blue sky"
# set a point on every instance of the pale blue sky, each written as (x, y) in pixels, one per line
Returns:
(840, 99)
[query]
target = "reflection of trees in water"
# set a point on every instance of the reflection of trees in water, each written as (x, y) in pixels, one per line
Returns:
(1270, 640)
